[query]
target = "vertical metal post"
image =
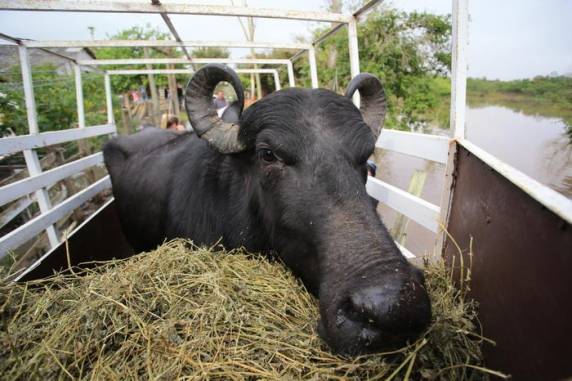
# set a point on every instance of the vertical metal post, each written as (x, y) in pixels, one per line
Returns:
(313, 68)
(276, 80)
(154, 95)
(31, 157)
(291, 74)
(354, 53)
(79, 96)
(108, 100)
(459, 67)
(460, 40)
(173, 91)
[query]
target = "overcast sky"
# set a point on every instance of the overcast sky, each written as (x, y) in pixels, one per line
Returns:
(508, 38)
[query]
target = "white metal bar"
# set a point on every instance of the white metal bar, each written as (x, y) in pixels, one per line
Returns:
(276, 80)
(184, 61)
(11, 39)
(47, 179)
(354, 53)
(42, 195)
(366, 7)
(26, 142)
(14, 210)
(173, 30)
(162, 43)
(425, 146)
(181, 71)
(446, 195)
(406, 253)
(77, 229)
(313, 67)
(291, 81)
(169, 8)
(79, 97)
(255, 71)
(417, 209)
(460, 39)
(28, 90)
(33, 227)
(552, 200)
(21, 42)
(31, 157)
(108, 99)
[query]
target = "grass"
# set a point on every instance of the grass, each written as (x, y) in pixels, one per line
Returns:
(196, 313)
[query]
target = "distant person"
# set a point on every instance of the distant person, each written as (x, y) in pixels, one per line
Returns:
(143, 92)
(173, 124)
(219, 101)
(135, 96)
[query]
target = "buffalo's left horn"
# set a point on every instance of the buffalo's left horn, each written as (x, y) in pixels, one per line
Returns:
(222, 136)
(373, 104)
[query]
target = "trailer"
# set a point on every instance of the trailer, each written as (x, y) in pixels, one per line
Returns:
(519, 229)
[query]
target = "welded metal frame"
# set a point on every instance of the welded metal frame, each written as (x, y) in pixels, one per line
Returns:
(420, 145)
(274, 72)
(398, 199)
(552, 200)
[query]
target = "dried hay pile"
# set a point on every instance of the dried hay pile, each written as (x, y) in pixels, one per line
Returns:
(181, 312)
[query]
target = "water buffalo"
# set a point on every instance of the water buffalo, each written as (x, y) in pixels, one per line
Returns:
(285, 176)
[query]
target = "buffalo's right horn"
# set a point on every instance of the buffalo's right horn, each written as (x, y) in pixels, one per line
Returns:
(222, 136)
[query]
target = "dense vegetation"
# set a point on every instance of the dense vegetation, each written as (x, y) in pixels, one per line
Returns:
(409, 52)
(55, 100)
(548, 96)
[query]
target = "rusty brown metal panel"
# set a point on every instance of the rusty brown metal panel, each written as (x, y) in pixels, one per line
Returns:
(99, 238)
(522, 271)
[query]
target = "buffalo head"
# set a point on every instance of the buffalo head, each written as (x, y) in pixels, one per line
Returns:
(304, 154)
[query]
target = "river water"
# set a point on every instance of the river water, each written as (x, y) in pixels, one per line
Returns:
(536, 145)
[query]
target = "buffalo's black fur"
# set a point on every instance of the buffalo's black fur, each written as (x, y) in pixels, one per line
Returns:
(306, 200)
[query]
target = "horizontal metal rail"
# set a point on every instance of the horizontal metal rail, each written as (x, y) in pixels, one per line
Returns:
(69, 236)
(21, 42)
(182, 71)
(46, 179)
(161, 43)
(15, 209)
(417, 209)
(183, 61)
(168, 8)
(334, 29)
(35, 226)
(44, 139)
(406, 253)
(425, 146)
(552, 200)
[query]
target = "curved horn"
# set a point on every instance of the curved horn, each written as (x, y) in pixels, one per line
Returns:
(222, 136)
(373, 104)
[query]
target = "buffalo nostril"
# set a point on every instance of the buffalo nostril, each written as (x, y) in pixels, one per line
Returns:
(372, 305)
(402, 308)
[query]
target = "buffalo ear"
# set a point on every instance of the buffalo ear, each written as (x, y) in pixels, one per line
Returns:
(373, 104)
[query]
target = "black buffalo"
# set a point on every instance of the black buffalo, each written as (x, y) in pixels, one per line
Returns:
(286, 176)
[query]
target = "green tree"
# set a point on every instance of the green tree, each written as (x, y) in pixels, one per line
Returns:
(211, 52)
(124, 83)
(409, 52)
(55, 100)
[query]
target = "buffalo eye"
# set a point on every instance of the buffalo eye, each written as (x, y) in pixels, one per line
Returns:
(266, 155)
